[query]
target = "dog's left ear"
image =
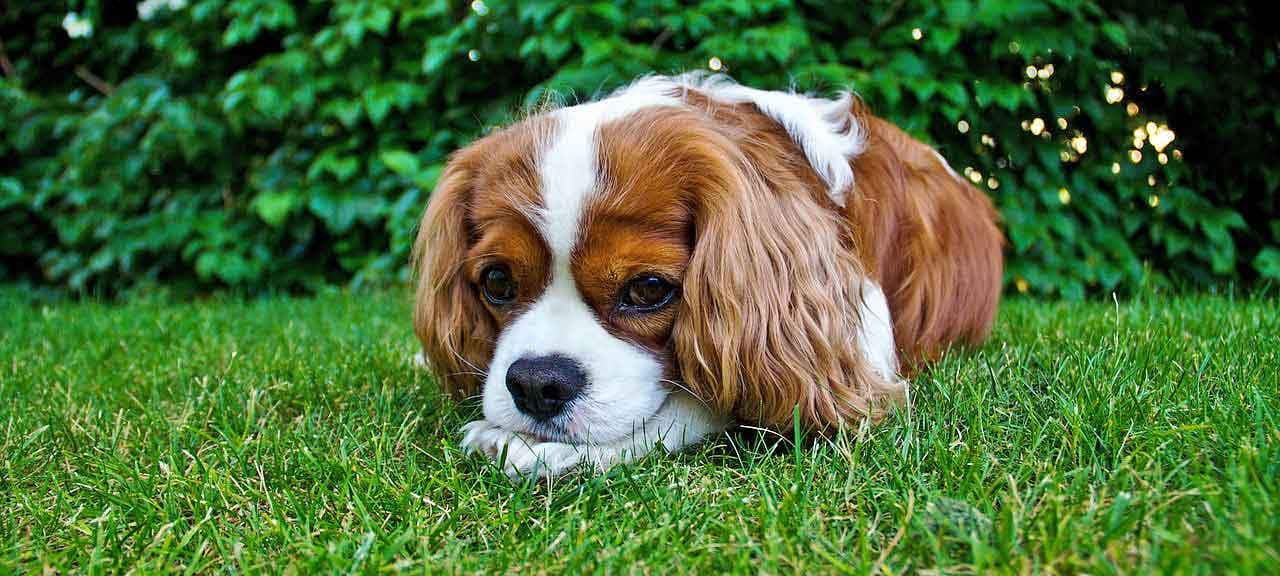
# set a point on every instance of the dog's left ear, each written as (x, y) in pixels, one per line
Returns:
(770, 307)
(456, 332)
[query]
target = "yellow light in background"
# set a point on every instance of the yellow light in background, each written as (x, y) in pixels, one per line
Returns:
(992, 183)
(1135, 156)
(968, 170)
(1117, 77)
(479, 7)
(1115, 167)
(1132, 109)
(1114, 95)
(1151, 180)
(917, 33)
(1062, 123)
(1021, 283)
(1160, 136)
(473, 55)
(1153, 200)
(1031, 71)
(962, 126)
(988, 141)
(1026, 125)
(1046, 72)
(1177, 154)
(975, 176)
(715, 63)
(1138, 142)
(1064, 156)
(1064, 196)
(1037, 126)
(1080, 143)
(1162, 158)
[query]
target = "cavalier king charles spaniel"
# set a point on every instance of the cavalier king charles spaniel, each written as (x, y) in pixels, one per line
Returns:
(688, 253)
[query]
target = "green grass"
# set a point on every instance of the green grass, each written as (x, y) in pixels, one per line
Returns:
(258, 436)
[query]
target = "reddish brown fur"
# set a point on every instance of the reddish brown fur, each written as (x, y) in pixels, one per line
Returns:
(636, 224)
(720, 199)
(477, 215)
(929, 238)
(768, 318)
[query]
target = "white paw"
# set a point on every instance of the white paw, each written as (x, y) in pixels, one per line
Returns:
(525, 456)
(540, 459)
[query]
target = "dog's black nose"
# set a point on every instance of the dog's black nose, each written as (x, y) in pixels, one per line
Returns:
(542, 386)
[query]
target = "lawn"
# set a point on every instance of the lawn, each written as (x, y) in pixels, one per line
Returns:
(260, 436)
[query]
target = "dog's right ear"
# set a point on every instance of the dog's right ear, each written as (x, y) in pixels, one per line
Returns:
(456, 331)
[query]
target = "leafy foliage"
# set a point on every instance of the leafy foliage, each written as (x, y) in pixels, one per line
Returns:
(280, 145)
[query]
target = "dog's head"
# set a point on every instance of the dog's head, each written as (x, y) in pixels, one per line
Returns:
(684, 232)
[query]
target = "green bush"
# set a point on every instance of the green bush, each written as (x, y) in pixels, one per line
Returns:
(277, 145)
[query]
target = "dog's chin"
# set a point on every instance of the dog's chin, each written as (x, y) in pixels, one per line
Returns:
(579, 425)
(550, 432)
(583, 431)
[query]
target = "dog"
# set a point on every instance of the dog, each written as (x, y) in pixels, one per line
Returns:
(687, 253)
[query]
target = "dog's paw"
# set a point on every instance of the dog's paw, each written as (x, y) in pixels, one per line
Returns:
(525, 457)
(540, 459)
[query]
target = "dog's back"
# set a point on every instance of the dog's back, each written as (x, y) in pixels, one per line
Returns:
(929, 238)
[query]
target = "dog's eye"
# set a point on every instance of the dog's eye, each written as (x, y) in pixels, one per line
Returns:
(646, 294)
(498, 286)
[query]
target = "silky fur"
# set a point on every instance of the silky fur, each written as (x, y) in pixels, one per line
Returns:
(484, 194)
(770, 268)
(930, 239)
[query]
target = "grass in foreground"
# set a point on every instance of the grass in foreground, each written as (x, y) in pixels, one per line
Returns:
(261, 436)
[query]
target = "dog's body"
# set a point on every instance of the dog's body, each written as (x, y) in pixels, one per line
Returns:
(687, 253)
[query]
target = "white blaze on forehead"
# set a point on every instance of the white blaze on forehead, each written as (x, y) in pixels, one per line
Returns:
(568, 164)
(623, 387)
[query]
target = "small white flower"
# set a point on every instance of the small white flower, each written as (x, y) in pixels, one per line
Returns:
(147, 8)
(76, 26)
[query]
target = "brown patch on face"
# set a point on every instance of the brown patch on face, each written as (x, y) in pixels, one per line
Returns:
(477, 216)
(508, 190)
(638, 224)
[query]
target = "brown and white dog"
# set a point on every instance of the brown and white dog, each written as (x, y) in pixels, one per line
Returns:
(687, 253)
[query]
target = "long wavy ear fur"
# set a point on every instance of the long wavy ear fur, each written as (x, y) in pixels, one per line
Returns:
(769, 319)
(456, 332)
